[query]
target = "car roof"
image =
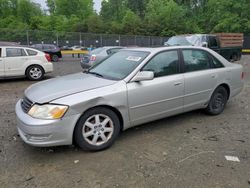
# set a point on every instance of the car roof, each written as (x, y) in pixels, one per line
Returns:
(186, 35)
(158, 49)
(109, 47)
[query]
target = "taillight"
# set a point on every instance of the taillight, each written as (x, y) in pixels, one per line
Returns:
(242, 75)
(48, 57)
(93, 58)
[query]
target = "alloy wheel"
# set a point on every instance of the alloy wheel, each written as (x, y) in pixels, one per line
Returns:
(98, 129)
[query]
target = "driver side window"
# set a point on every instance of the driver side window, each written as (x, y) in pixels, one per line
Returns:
(163, 64)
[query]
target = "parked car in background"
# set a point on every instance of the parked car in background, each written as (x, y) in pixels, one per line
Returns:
(229, 45)
(66, 48)
(77, 47)
(131, 87)
(97, 55)
(22, 61)
(52, 50)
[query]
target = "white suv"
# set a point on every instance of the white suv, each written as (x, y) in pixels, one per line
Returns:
(22, 61)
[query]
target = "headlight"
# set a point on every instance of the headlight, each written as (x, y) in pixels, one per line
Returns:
(47, 111)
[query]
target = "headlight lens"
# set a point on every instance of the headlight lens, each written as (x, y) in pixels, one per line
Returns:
(47, 111)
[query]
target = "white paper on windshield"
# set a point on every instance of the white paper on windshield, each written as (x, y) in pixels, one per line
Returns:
(133, 58)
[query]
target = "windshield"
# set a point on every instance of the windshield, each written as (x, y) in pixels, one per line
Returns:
(193, 40)
(119, 65)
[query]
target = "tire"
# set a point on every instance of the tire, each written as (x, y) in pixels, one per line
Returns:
(218, 101)
(55, 58)
(235, 57)
(35, 73)
(97, 129)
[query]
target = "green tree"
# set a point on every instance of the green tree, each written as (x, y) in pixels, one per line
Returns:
(131, 23)
(95, 24)
(51, 4)
(113, 10)
(138, 6)
(80, 8)
(26, 9)
(165, 17)
(226, 16)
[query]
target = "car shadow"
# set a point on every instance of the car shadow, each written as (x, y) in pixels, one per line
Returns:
(165, 123)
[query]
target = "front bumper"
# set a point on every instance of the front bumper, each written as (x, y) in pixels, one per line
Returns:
(43, 133)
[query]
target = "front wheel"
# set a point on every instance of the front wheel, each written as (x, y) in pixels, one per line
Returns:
(35, 72)
(97, 129)
(218, 101)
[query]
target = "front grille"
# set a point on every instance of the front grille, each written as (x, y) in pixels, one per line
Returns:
(26, 104)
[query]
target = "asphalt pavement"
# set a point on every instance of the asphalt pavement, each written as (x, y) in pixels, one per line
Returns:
(187, 150)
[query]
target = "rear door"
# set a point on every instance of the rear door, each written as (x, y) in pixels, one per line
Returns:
(200, 78)
(1, 63)
(15, 61)
(163, 96)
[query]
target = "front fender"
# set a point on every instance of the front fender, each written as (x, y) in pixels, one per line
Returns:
(114, 96)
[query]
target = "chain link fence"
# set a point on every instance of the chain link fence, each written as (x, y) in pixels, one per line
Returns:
(29, 37)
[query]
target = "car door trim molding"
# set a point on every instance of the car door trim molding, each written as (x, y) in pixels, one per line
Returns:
(156, 114)
(192, 94)
(156, 102)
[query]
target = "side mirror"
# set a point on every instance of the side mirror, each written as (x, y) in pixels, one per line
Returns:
(142, 76)
(204, 44)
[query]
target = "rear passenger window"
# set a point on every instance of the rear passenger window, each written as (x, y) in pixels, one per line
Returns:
(0, 52)
(216, 63)
(31, 52)
(163, 64)
(15, 52)
(195, 60)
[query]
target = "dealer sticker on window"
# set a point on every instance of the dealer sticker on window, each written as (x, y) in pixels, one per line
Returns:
(133, 58)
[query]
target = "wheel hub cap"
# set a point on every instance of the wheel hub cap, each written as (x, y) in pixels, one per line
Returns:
(35, 73)
(98, 129)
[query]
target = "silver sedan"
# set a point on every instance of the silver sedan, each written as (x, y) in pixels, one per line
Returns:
(131, 87)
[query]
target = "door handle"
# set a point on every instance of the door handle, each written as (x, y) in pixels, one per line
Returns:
(177, 83)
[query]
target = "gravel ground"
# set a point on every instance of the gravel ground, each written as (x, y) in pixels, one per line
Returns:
(187, 150)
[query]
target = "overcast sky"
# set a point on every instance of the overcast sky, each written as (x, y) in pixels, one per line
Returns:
(97, 4)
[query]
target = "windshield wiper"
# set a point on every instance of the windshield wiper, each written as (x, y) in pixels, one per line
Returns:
(95, 73)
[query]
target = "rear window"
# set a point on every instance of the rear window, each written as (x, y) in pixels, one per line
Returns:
(0, 52)
(15, 52)
(31, 52)
(97, 51)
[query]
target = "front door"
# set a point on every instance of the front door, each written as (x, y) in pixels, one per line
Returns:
(160, 97)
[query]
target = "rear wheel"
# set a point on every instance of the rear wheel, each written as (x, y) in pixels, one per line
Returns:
(218, 101)
(55, 58)
(35, 72)
(235, 57)
(97, 129)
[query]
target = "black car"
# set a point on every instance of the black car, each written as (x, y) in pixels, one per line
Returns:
(52, 50)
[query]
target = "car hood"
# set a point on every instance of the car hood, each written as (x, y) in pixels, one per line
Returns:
(55, 88)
